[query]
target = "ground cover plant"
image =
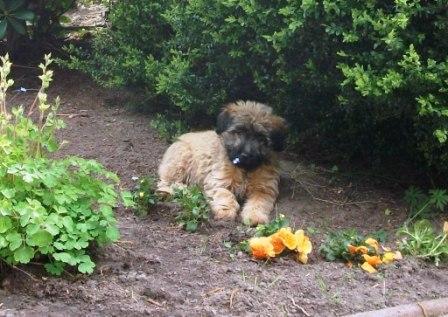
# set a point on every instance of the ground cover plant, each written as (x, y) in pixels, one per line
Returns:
(50, 209)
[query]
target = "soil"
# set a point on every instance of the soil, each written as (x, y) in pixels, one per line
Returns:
(158, 269)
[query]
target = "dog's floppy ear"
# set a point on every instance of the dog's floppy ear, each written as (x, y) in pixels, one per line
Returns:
(278, 134)
(224, 121)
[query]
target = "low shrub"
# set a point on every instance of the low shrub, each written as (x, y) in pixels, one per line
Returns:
(53, 209)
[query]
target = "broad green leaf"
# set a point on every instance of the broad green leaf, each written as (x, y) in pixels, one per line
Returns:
(24, 14)
(65, 257)
(128, 199)
(5, 224)
(23, 254)
(3, 26)
(67, 221)
(8, 192)
(19, 27)
(112, 234)
(41, 238)
(13, 5)
(3, 242)
(15, 240)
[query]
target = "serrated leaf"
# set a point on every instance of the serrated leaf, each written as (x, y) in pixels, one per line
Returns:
(41, 238)
(3, 242)
(67, 221)
(23, 254)
(5, 224)
(55, 268)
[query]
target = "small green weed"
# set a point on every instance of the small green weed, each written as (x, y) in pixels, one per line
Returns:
(272, 227)
(335, 244)
(144, 195)
(168, 129)
(194, 206)
(421, 240)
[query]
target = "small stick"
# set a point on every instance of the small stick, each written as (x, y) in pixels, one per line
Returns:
(26, 273)
(154, 302)
(232, 295)
(298, 306)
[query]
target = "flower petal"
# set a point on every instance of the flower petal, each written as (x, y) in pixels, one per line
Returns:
(373, 243)
(362, 249)
(288, 238)
(302, 257)
(277, 243)
(367, 267)
(261, 248)
(372, 260)
(304, 244)
(388, 257)
(351, 249)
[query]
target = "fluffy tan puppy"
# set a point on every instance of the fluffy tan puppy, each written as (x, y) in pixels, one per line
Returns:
(234, 164)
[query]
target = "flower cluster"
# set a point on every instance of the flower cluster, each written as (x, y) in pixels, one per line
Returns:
(263, 248)
(372, 255)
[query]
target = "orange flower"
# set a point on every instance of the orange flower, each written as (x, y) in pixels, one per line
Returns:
(288, 238)
(304, 246)
(372, 260)
(277, 243)
(373, 243)
(354, 250)
(368, 267)
(261, 248)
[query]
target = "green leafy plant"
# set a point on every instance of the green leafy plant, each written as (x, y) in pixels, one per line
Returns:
(335, 244)
(272, 227)
(50, 209)
(167, 129)
(144, 195)
(195, 208)
(421, 240)
(421, 204)
(14, 14)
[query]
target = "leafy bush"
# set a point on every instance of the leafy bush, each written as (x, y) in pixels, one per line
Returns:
(167, 129)
(50, 208)
(194, 206)
(365, 78)
(421, 241)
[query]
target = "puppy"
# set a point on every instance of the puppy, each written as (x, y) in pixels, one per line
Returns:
(235, 163)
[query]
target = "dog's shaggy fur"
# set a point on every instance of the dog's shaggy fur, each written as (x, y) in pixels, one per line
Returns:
(234, 163)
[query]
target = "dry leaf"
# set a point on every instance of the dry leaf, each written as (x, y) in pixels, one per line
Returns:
(261, 248)
(367, 267)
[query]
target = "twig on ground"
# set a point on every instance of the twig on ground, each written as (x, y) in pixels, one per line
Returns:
(154, 302)
(232, 295)
(299, 307)
(26, 273)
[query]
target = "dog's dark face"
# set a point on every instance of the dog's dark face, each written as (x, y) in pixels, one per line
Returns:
(250, 132)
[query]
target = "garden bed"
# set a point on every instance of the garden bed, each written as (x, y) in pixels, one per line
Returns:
(157, 268)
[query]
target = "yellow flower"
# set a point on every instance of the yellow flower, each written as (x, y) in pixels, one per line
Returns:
(261, 248)
(388, 257)
(373, 243)
(354, 250)
(372, 260)
(368, 267)
(141, 194)
(277, 243)
(288, 238)
(304, 246)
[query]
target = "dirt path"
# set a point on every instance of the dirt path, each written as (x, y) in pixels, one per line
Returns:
(159, 270)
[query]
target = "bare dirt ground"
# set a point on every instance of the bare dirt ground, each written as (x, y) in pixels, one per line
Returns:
(158, 269)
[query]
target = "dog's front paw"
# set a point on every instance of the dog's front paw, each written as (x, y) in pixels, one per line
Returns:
(225, 214)
(254, 216)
